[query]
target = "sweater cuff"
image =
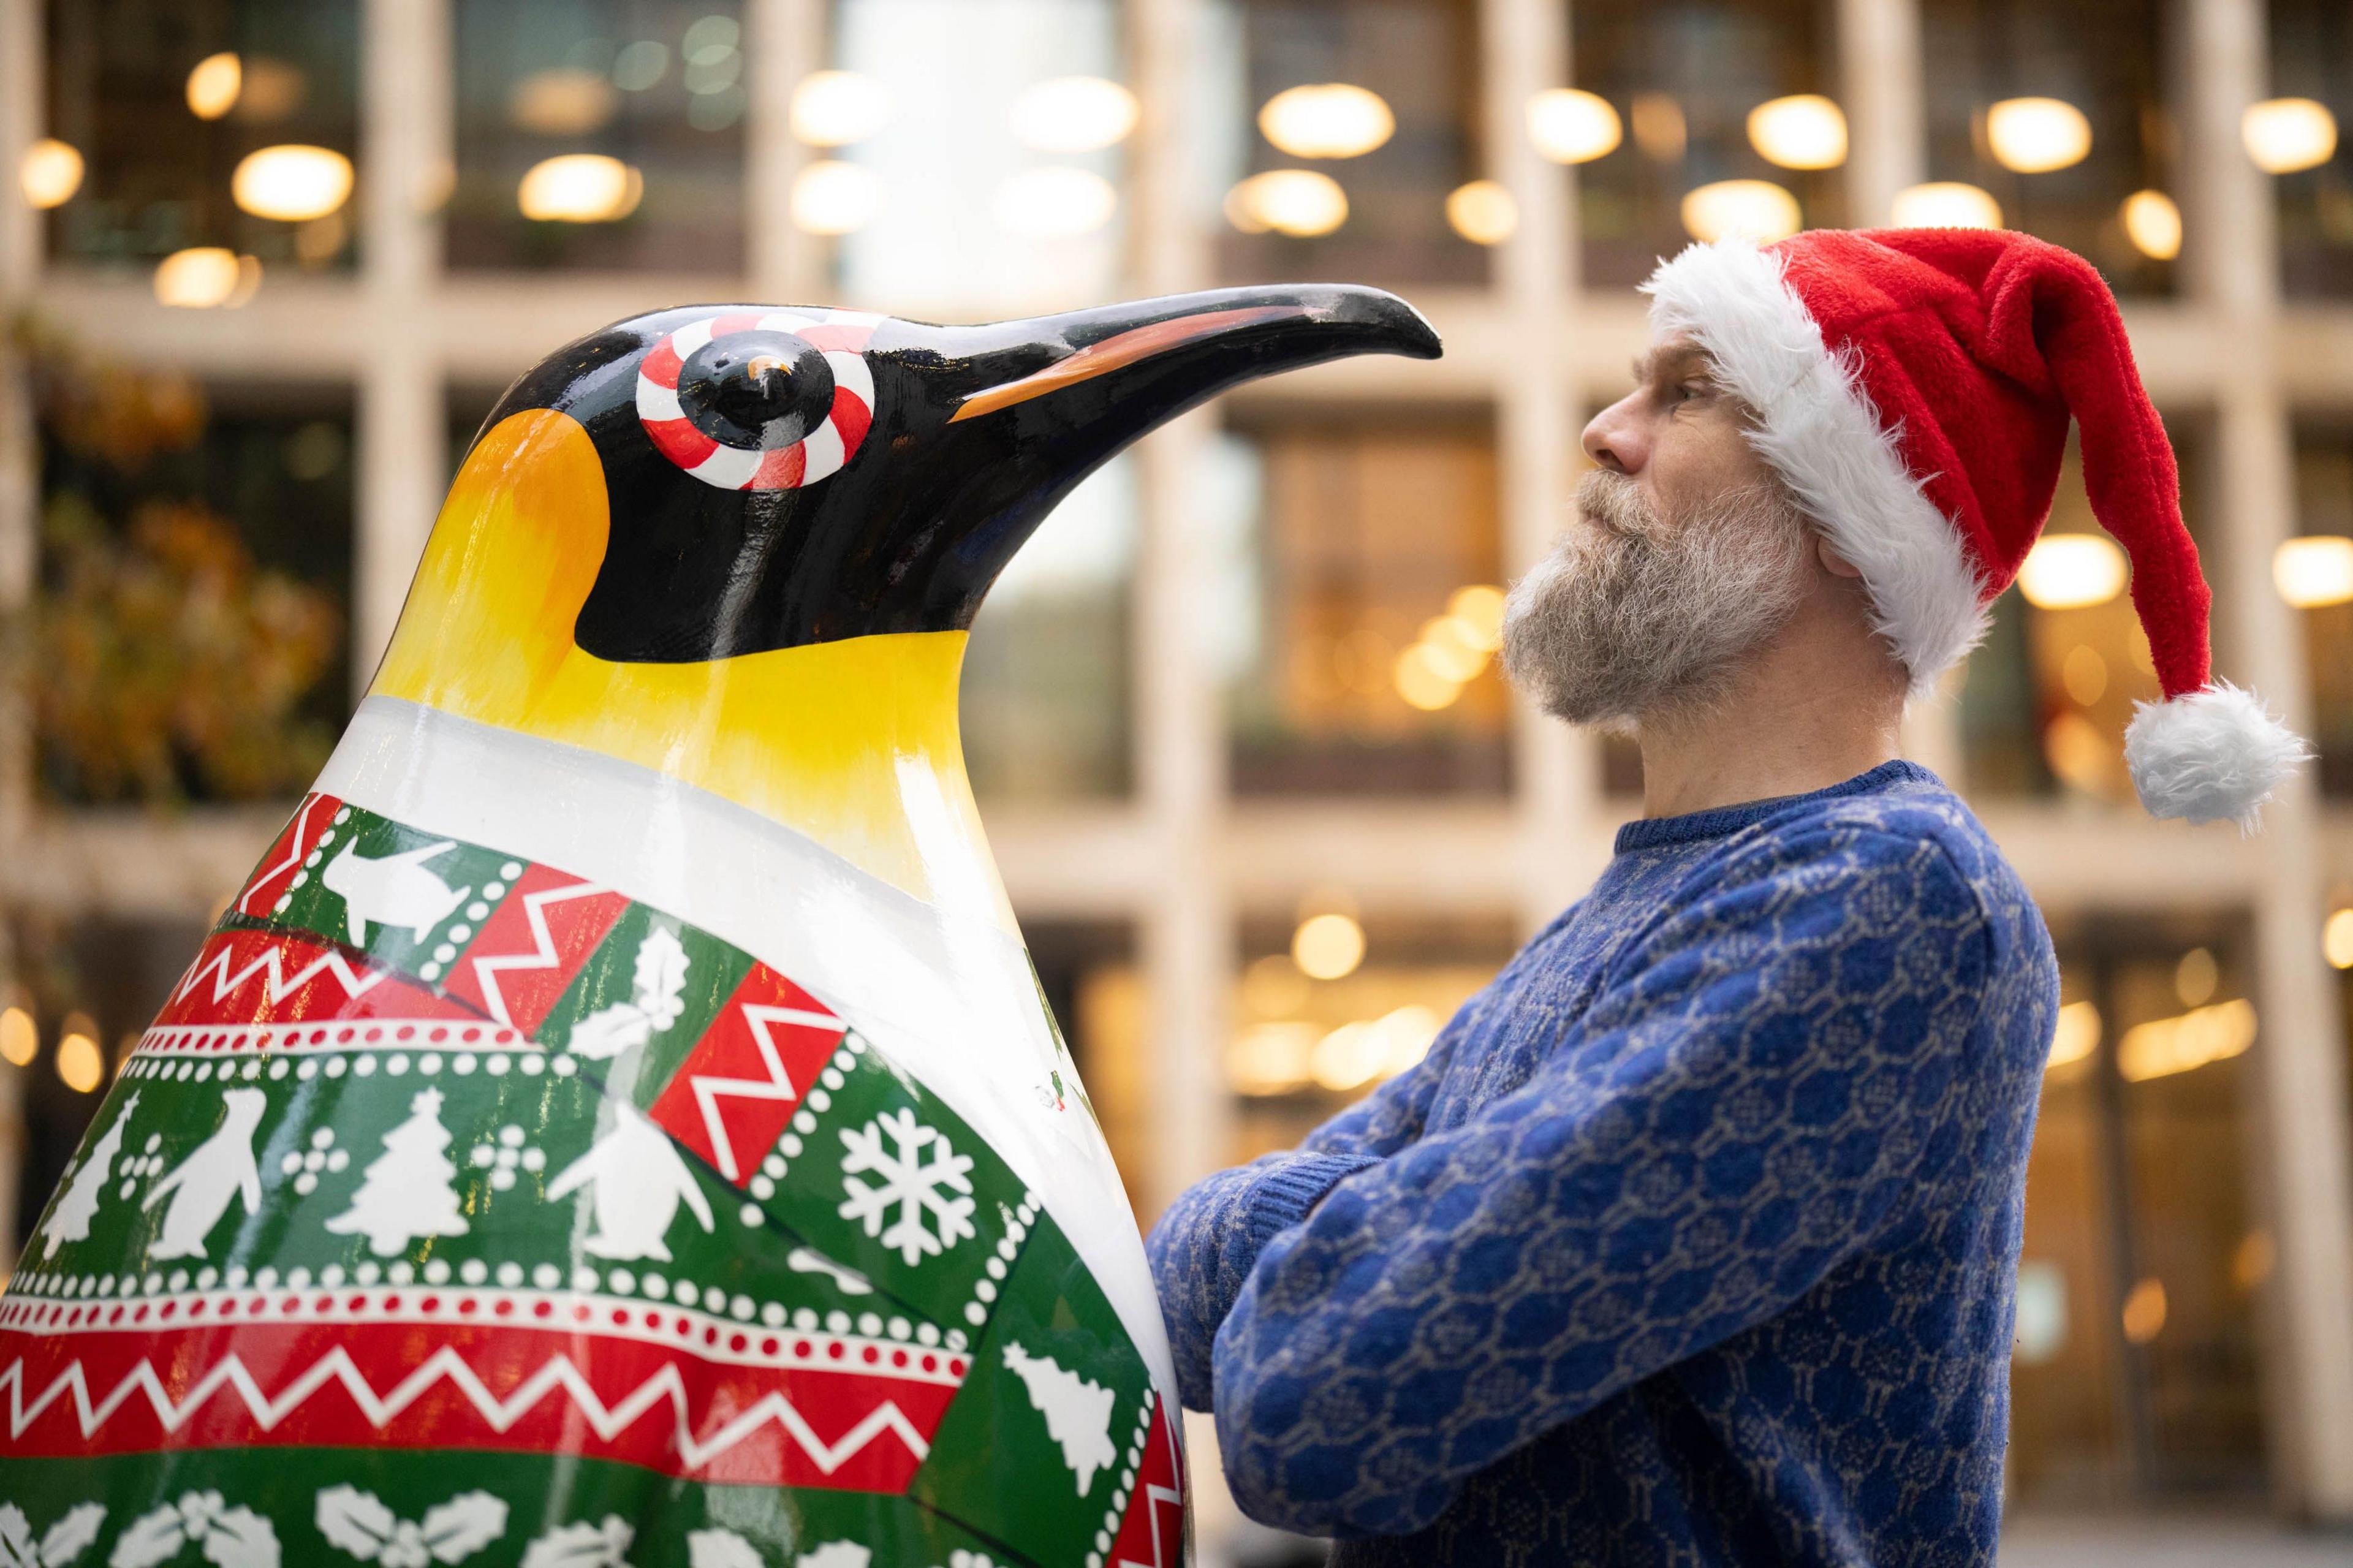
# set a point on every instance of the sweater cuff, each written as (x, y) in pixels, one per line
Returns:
(1286, 1194)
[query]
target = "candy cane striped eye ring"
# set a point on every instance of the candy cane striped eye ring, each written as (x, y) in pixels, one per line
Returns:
(760, 401)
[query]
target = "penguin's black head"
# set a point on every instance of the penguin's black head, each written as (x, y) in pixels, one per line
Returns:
(776, 477)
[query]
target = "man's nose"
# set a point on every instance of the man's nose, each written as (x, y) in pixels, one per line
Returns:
(1614, 440)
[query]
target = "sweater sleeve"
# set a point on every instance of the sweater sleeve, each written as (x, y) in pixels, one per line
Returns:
(1743, 1107)
(1203, 1246)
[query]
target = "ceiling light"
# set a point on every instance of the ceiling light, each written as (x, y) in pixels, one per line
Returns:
(291, 182)
(564, 101)
(1946, 203)
(1296, 202)
(2283, 135)
(579, 188)
(2335, 940)
(2153, 223)
(2186, 1042)
(213, 85)
(1424, 680)
(2036, 135)
(834, 108)
(81, 1064)
(2076, 1035)
(20, 1042)
(1482, 212)
(2071, 571)
(834, 197)
(1803, 132)
(1570, 125)
(1480, 606)
(1753, 209)
(1055, 202)
(2313, 570)
(1350, 1057)
(1330, 120)
(50, 172)
(1660, 129)
(1271, 1057)
(1328, 946)
(196, 279)
(1074, 114)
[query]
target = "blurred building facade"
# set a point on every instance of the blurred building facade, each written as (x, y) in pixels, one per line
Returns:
(1265, 807)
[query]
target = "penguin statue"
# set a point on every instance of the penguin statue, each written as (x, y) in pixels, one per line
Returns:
(618, 1122)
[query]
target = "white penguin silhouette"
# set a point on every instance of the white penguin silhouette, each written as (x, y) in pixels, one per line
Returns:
(397, 890)
(221, 1168)
(640, 1180)
(71, 1220)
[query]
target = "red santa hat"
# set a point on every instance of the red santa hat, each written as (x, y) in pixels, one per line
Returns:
(1913, 387)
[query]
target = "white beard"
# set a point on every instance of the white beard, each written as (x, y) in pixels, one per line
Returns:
(1640, 616)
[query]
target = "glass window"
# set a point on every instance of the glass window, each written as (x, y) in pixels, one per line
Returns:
(164, 101)
(1360, 554)
(2057, 113)
(2135, 1372)
(1305, 1047)
(2324, 494)
(1682, 78)
(1332, 135)
(89, 987)
(2045, 698)
(194, 585)
(981, 171)
(2311, 57)
(599, 134)
(1046, 677)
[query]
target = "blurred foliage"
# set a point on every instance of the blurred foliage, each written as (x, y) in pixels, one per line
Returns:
(168, 664)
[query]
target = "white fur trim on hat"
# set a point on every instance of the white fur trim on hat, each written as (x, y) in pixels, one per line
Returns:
(2210, 755)
(1818, 428)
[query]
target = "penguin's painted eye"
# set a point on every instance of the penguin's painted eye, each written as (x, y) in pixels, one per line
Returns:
(760, 401)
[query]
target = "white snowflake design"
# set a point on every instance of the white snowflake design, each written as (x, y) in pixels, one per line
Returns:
(504, 1158)
(916, 1185)
(304, 1165)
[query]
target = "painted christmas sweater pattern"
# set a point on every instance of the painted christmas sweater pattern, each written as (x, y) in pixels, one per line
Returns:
(1691, 1240)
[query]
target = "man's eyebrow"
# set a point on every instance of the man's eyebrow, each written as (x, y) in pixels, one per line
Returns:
(1684, 361)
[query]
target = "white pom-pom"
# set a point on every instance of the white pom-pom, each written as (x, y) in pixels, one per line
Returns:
(2210, 755)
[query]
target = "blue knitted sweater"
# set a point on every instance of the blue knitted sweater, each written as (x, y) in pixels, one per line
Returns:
(1691, 1242)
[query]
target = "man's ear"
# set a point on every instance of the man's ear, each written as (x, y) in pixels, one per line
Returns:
(1834, 563)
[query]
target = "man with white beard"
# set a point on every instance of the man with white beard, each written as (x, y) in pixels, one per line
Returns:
(1693, 1240)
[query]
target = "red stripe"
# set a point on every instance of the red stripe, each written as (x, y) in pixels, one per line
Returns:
(661, 365)
(740, 322)
(502, 1358)
(852, 418)
(234, 978)
(845, 335)
(780, 470)
(680, 441)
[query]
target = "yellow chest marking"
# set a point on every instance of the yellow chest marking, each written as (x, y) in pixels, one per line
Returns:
(853, 743)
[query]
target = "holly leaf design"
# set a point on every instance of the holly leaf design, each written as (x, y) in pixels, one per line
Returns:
(661, 978)
(71, 1535)
(17, 1548)
(354, 1520)
(456, 1530)
(582, 1545)
(241, 1538)
(610, 1031)
(720, 1549)
(152, 1538)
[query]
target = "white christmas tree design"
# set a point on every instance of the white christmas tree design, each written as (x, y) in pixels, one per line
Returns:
(71, 1220)
(893, 1146)
(1077, 1411)
(406, 1192)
